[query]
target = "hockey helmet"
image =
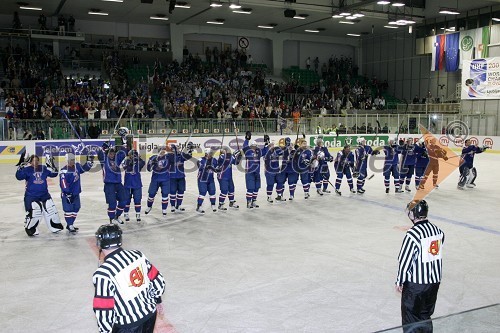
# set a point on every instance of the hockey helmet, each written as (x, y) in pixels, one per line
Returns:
(122, 131)
(281, 143)
(209, 151)
(417, 210)
(253, 143)
(319, 141)
(108, 235)
(288, 141)
(361, 141)
(70, 157)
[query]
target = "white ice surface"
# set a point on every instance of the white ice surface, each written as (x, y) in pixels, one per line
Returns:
(326, 264)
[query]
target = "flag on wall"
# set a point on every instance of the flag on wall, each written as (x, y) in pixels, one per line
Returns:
(451, 52)
(438, 53)
(467, 45)
(481, 42)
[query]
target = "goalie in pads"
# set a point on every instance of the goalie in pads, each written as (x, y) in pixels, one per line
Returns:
(468, 172)
(37, 201)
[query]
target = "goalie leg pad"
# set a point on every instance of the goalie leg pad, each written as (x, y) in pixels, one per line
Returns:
(472, 176)
(51, 216)
(33, 217)
(464, 176)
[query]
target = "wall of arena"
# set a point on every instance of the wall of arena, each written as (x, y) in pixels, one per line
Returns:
(10, 151)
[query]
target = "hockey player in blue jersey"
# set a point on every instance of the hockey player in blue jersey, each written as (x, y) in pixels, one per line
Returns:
(225, 176)
(132, 165)
(408, 160)
(288, 173)
(272, 169)
(421, 162)
(207, 165)
(253, 154)
(69, 181)
(302, 164)
(343, 164)
(321, 174)
(159, 166)
(178, 177)
(391, 162)
(114, 191)
(467, 170)
(361, 167)
(37, 201)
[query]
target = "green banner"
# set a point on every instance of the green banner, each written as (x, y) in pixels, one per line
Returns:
(334, 141)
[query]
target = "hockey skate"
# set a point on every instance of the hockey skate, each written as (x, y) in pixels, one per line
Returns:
(164, 212)
(306, 195)
(117, 220)
(386, 190)
(338, 192)
(398, 190)
(249, 204)
(353, 190)
(407, 188)
(254, 204)
(270, 199)
(291, 198)
(172, 209)
(327, 191)
(200, 210)
(319, 191)
(471, 185)
(138, 217)
(72, 229)
(233, 204)
(361, 191)
(437, 186)
(280, 198)
(180, 209)
(127, 218)
(221, 207)
(214, 209)
(148, 209)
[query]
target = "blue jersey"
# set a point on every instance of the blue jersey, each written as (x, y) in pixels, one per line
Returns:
(272, 160)
(111, 172)
(422, 159)
(160, 167)
(288, 154)
(132, 168)
(362, 153)
(322, 155)
(225, 165)
(177, 167)
(408, 155)
(391, 155)
(343, 161)
(69, 178)
(36, 180)
(468, 155)
(302, 160)
(206, 168)
(253, 157)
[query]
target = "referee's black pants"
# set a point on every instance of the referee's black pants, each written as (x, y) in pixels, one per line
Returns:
(417, 306)
(147, 326)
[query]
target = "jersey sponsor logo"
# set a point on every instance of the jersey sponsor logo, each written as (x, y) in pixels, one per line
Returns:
(431, 248)
(38, 178)
(136, 277)
(435, 247)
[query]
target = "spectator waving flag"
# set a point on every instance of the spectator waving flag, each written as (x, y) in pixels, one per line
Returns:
(438, 53)
(452, 55)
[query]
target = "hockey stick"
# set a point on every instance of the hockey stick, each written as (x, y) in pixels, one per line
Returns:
(236, 135)
(117, 123)
(260, 120)
(71, 125)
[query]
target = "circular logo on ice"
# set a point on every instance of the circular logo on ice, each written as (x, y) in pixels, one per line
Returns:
(474, 141)
(444, 141)
(466, 43)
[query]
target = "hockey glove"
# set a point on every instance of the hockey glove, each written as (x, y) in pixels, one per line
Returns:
(105, 147)
(307, 162)
(21, 162)
(266, 139)
(248, 135)
(50, 164)
(355, 174)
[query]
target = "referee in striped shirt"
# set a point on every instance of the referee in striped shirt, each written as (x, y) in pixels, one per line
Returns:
(420, 269)
(128, 287)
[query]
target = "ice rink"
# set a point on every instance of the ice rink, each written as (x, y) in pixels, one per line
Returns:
(326, 264)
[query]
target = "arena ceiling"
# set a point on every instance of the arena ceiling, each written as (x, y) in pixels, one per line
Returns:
(317, 13)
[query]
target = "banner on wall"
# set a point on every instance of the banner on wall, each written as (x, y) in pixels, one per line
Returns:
(63, 147)
(481, 79)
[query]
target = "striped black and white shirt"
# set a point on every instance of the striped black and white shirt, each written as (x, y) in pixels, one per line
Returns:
(127, 289)
(420, 258)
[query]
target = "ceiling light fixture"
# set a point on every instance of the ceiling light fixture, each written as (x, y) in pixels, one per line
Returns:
(398, 4)
(182, 5)
(345, 14)
(336, 16)
(311, 30)
(97, 12)
(29, 8)
(112, 0)
(235, 5)
(353, 35)
(383, 2)
(496, 19)
(265, 27)
(390, 27)
(242, 11)
(159, 17)
(301, 16)
(358, 15)
(346, 22)
(448, 11)
(350, 17)
(215, 4)
(216, 21)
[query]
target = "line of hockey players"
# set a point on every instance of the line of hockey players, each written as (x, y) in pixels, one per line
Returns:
(284, 163)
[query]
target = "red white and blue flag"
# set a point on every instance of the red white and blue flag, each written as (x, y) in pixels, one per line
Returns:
(438, 53)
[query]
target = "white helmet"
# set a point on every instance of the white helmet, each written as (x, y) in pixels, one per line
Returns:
(361, 141)
(208, 151)
(319, 141)
(70, 157)
(253, 143)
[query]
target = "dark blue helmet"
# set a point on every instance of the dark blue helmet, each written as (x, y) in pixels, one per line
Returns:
(417, 210)
(288, 141)
(108, 235)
